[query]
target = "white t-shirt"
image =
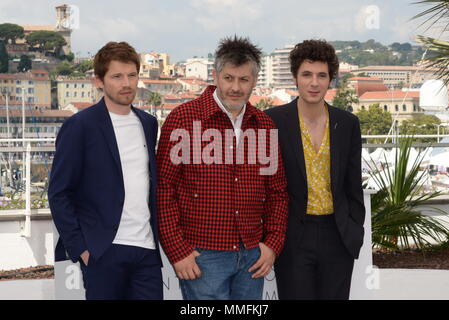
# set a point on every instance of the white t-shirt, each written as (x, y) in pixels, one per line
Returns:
(134, 228)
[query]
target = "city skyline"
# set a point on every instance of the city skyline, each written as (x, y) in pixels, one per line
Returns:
(184, 29)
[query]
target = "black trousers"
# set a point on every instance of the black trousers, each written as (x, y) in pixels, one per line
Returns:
(322, 266)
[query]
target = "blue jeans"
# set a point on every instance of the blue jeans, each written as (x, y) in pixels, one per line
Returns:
(224, 276)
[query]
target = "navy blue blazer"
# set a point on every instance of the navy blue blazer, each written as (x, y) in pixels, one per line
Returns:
(86, 191)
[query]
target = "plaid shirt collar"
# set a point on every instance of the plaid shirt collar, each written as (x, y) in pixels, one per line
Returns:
(211, 107)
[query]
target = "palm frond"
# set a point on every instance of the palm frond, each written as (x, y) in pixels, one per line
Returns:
(396, 220)
(437, 12)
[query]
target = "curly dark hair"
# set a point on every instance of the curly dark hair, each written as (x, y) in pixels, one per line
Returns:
(314, 50)
(120, 51)
(237, 51)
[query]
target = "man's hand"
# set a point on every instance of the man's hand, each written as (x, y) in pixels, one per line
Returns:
(85, 257)
(187, 269)
(265, 262)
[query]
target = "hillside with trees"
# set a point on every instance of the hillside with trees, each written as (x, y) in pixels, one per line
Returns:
(374, 53)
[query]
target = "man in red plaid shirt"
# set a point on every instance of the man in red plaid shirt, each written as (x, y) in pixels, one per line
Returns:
(222, 196)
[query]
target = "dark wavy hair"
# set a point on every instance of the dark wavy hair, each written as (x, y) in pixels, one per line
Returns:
(314, 50)
(119, 51)
(237, 51)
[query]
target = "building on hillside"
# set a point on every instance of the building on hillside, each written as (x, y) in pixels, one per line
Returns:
(76, 90)
(34, 86)
(401, 104)
(64, 24)
(192, 84)
(161, 86)
(200, 68)
(365, 84)
(179, 98)
(395, 77)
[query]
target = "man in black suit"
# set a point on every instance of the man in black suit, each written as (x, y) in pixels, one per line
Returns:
(321, 147)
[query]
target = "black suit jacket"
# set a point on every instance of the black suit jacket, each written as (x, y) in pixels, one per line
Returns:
(346, 180)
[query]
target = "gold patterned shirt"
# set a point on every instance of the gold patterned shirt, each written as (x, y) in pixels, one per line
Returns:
(319, 200)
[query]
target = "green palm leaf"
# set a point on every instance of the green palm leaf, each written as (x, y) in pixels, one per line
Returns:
(397, 221)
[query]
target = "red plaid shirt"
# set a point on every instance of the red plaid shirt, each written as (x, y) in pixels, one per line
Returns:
(218, 206)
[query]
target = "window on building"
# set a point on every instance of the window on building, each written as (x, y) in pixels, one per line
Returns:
(18, 90)
(67, 94)
(396, 108)
(75, 94)
(404, 107)
(67, 86)
(414, 108)
(75, 86)
(385, 107)
(363, 107)
(30, 82)
(31, 90)
(18, 82)
(82, 94)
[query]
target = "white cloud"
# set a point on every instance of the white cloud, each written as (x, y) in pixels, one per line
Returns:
(219, 14)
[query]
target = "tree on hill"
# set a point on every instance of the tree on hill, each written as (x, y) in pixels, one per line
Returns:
(421, 124)
(154, 99)
(344, 97)
(3, 58)
(375, 120)
(64, 69)
(45, 41)
(84, 66)
(10, 31)
(25, 64)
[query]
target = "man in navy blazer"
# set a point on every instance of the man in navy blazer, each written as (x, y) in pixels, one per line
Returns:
(102, 190)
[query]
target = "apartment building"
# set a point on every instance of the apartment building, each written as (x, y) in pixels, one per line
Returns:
(160, 86)
(34, 86)
(266, 72)
(396, 77)
(403, 104)
(200, 68)
(76, 90)
(282, 76)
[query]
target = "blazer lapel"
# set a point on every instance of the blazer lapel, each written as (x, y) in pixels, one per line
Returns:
(334, 128)
(292, 121)
(148, 138)
(105, 124)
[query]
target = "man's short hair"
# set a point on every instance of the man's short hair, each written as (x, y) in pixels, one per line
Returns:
(314, 50)
(237, 51)
(119, 51)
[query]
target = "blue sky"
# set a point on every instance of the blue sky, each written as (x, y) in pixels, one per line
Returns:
(187, 28)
